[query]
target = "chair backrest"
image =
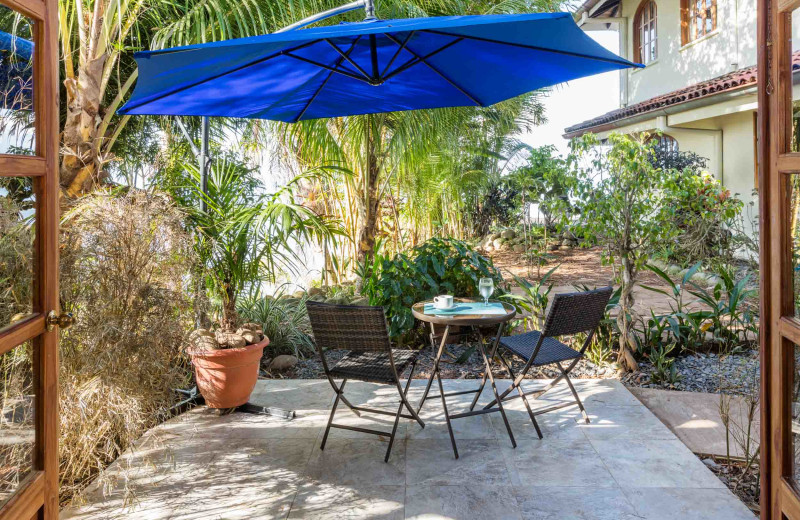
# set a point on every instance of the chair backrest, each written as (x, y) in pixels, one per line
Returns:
(348, 327)
(571, 313)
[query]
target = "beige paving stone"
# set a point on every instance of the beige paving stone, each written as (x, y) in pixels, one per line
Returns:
(574, 503)
(687, 504)
(339, 501)
(656, 463)
(199, 465)
(556, 463)
(462, 502)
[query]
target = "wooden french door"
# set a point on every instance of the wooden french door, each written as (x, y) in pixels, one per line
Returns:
(29, 191)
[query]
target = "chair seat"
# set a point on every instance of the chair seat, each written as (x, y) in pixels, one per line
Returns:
(373, 366)
(551, 351)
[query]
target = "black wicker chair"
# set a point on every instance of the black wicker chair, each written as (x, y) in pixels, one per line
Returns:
(569, 313)
(363, 332)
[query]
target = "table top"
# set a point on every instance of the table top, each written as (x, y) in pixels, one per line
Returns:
(463, 319)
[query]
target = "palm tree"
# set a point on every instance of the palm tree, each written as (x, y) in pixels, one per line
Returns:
(243, 235)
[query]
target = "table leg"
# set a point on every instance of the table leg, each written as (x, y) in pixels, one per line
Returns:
(435, 364)
(494, 387)
(495, 345)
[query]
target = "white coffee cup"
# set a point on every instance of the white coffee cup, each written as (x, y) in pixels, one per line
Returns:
(445, 301)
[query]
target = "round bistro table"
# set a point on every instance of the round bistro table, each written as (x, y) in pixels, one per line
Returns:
(477, 322)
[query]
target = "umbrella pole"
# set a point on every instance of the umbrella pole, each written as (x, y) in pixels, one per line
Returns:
(205, 160)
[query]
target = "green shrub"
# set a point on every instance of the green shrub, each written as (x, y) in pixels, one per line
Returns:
(284, 321)
(702, 211)
(437, 266)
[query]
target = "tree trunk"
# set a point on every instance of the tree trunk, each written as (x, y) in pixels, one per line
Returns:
(230, 318)
(626, 301)
(81, 165)
(370, 202)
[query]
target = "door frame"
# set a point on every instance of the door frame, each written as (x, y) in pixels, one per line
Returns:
(37, 495)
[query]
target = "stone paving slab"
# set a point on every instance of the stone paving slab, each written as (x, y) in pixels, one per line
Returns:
(623, 465)
(694, 417)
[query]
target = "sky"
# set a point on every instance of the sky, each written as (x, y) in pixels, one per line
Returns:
(577, 101)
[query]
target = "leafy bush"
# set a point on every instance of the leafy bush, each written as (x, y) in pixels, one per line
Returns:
(702, 211)
(124, 355)
(437, 266)
(497, 208)
(664, 371)
(284, 321)
(726, 323)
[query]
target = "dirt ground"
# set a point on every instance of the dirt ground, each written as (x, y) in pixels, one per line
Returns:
(578, 266)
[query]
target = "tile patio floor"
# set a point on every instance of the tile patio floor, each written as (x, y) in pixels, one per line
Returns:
(625, 465)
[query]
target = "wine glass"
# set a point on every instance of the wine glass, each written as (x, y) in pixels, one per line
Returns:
(486, 288)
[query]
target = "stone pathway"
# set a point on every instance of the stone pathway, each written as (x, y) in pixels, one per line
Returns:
(694, 418)
(625, 465)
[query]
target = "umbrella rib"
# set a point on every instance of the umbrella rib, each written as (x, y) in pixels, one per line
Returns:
(397, 53)
(424, 59)
(325, 81)
(525, 46)
(417, 58)
(347, 57)
(216, 76)
(328, 67)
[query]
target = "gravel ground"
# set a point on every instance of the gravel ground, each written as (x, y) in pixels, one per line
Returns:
(698, 373)
(741, 480)
(471, 369)
(736, 374)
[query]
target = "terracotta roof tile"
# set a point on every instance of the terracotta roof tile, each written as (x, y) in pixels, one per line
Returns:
(727, 82)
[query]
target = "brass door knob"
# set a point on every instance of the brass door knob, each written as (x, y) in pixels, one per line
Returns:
(64, 320)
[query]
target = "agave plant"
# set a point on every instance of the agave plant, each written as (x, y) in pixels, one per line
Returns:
(533, 301)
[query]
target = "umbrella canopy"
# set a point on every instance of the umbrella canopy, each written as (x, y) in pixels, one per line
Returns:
(16, 72)
(369, 67)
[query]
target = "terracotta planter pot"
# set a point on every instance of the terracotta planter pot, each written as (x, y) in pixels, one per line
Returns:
(226, 378)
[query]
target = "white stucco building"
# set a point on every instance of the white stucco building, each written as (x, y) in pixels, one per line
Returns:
(699, 83)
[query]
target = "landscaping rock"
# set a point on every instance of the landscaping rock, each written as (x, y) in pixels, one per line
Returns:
(518, 248)
(360, 301)
(255, 327)
(298, 294)
(230, 340)
(251, 337)
(497, 243)
(508, 234)
(206, 343)
(314, 291)
(494, 236)
(283, 362)
(199, 333)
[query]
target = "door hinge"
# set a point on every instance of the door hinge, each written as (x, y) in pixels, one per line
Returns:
(63, 320)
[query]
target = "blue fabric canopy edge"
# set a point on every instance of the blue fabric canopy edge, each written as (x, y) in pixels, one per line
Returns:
(497, 57)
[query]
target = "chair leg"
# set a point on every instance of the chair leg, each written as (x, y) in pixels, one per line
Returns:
(404, 396)
(339, 392)
(394, 432)
(522, 396)
(574, 392)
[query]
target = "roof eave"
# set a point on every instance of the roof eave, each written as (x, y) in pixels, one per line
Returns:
(712, 99)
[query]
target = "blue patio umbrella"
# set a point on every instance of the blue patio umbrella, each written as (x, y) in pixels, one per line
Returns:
(369, 67)
(16, 72)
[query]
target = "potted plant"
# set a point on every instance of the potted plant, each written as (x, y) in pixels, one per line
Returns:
(226, 363)
(240, 234)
